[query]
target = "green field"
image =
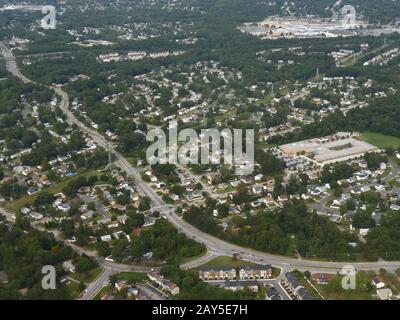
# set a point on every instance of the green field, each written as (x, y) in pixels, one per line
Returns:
(74, 289)
(334, 290)
(87, 277)
(185, 260)
(225, 116)
(380, 140)
(132, 277)
(105, 290)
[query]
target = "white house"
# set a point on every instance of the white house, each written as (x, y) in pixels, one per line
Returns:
(106, 238)
(378, 283)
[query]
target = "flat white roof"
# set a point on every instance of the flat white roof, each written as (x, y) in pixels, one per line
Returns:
(332, 150)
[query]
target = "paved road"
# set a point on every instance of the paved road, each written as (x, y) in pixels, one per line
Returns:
(11, 64)
(213, 244)
(393, 173)
(93, 288)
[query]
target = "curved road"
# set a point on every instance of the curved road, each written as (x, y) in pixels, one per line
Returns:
(215, 246)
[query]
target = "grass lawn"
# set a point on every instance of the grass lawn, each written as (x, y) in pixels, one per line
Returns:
(334, 291)
(103, 291)
(90, 247)
(380, 140)
(266, 100)
(73, 289)
(87, 277)
(225, 261)
(394, 183)
(132, 161)
(229, 188)
(17, 205)
(184, 260)
(344, 294)
(265, 145)
(132, 277)
(393, 282)
(229, 114)
(276, 272)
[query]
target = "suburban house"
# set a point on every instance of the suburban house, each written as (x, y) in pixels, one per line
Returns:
(243, 273)
(240, 285)
(255, 272)
(295, 288)
(378, 283)
(272, 294)
(69, 266)
(163, 282)
(220, 273)
(321, 278)
(121, 285)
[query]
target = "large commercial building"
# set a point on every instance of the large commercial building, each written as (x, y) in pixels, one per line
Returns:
(336, 148)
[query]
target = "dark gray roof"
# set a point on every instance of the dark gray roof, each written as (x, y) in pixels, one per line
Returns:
(244, 283)
(272, 294)
(293, 280)
(304, 294)
(257, 267)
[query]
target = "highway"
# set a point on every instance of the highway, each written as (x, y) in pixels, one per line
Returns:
(93, 288)
(215, 246)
